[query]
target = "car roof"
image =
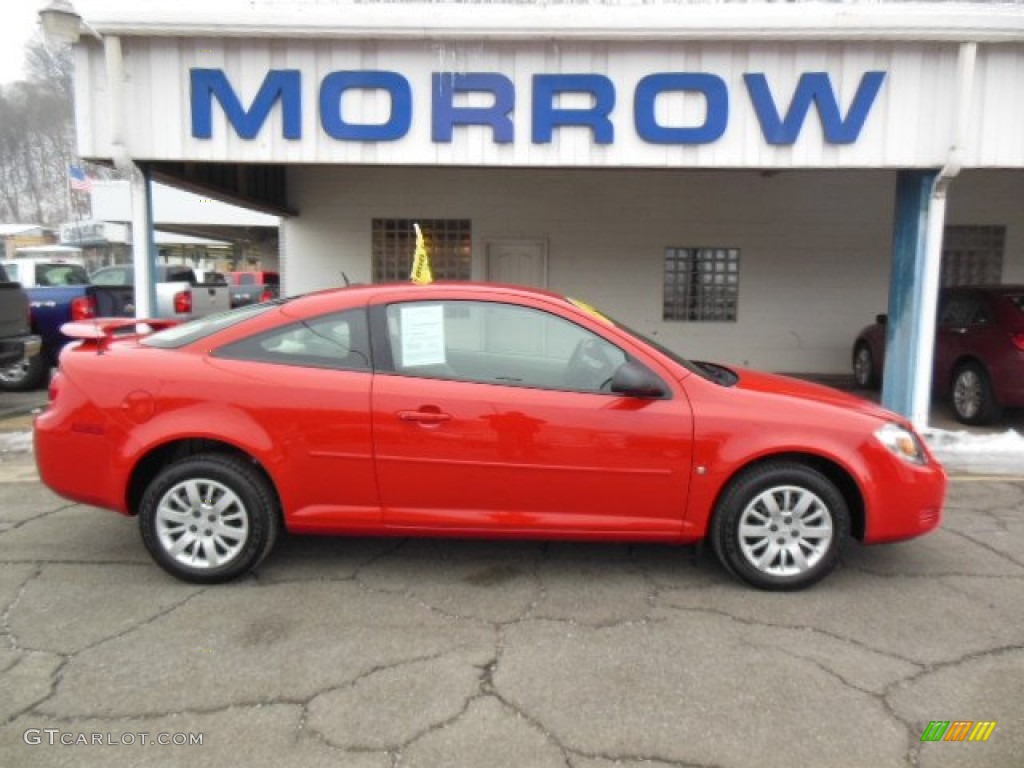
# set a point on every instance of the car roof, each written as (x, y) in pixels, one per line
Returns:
(314, 303)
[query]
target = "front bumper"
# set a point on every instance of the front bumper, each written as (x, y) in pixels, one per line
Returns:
(903, 500)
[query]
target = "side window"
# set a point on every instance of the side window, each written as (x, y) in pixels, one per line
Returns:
(337, 341)
(497, 343)
(956, 312)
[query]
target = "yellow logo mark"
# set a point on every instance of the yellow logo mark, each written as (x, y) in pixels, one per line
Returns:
(982, 730)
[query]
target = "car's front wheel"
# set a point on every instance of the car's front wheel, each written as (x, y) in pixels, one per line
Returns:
(209, 518)
(780, 526)
(972, 397)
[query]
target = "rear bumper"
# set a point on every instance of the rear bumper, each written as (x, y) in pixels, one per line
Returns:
(13, 351)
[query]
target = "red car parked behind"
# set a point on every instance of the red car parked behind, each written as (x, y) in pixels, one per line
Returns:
(979, 351)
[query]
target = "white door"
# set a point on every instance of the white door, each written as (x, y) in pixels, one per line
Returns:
(521, 262)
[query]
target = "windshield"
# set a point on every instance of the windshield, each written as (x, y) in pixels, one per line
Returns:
(186, 333)
(670, 354)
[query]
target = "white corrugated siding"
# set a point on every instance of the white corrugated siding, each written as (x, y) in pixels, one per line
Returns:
(910, 124)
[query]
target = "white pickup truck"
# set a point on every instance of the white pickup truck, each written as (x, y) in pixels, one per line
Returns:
(179, 294)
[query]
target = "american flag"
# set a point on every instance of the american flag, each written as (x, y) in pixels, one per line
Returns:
(80, 181)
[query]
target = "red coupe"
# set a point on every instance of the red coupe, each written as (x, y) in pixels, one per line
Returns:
(466, 410)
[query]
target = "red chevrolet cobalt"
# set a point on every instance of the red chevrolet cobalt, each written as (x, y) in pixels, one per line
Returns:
(466, 410)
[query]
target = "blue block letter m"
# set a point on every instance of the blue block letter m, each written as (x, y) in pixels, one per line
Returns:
(816, 88)
(280, 84)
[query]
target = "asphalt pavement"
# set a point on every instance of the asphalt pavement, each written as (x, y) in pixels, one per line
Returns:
(384, 653)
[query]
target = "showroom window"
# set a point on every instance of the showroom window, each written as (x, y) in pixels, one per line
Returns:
(449, 243)
(973, 255)
(701, 284)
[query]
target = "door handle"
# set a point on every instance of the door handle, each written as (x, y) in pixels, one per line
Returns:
(424, 417)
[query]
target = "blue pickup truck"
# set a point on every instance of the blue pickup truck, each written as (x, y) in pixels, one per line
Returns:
(59, 291)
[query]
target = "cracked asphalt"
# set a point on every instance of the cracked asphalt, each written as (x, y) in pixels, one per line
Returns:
(382, 653)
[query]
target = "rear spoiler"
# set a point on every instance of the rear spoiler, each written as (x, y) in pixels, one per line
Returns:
(101, 331)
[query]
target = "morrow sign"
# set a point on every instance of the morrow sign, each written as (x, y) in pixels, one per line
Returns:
(454, 99)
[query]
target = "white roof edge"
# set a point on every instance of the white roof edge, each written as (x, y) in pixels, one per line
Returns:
(434, 21)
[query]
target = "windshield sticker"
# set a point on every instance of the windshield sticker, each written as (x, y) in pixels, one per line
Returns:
(589, 310)
(423, 335)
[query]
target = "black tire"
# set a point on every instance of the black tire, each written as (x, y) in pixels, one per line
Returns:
(209, 507)
(865, 372)
(27, 375)
(758, 558)
(971, 396)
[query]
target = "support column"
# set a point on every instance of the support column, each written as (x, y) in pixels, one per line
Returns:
(143, 247)
(913, 294)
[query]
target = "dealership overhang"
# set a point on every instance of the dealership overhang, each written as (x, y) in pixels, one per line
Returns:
(277, 105)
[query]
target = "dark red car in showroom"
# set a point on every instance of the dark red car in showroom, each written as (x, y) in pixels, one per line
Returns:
(467, 410)
(979, 351)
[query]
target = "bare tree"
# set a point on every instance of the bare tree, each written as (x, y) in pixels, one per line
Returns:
(37, 139)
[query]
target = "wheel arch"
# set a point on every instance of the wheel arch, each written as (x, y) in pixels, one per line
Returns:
(965, 359)
(837, 474)
(160, 456)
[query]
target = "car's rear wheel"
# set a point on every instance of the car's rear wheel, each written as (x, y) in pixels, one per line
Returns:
(25, 376)
(780, 526)
(865, 373)
(209, 518)
(972, 397)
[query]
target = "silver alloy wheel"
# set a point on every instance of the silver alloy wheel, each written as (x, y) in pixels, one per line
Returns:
(968, 390)
(785, 530)
(863, 366)
(202, 523)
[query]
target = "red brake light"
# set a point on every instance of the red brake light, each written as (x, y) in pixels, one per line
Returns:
(267, 295)
(183, 302)
(1018, 340)
(83, 308)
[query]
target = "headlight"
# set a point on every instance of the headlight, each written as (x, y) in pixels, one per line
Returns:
(902, 442)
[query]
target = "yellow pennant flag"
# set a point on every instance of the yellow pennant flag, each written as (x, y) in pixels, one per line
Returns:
(421, 274)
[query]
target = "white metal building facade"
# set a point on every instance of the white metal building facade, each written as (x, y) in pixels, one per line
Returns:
(585, 146)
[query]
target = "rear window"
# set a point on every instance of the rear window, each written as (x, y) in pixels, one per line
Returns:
(186, 333)
(61, 274)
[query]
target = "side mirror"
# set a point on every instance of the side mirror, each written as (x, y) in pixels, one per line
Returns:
(881, 319)
(634, 380)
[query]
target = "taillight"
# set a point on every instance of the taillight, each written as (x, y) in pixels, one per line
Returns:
(1018, 340)
(83, 308)
(267, 295)
(183, 302)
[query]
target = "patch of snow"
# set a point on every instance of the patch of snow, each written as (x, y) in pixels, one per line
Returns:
(16, 442)
(998, 453)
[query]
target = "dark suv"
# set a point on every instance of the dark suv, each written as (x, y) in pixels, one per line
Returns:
(979, 351)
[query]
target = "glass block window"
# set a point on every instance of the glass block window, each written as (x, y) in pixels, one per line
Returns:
(449, 243)
(973, 255)
(701, 284)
